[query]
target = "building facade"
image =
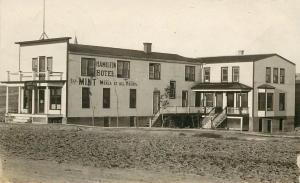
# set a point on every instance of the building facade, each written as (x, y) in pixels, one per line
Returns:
(92, 85)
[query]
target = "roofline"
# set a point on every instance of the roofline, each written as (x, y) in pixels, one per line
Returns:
(192, 62)
(41, 41)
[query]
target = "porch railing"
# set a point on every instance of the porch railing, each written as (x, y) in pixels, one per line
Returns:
(237, 110)
(188, 109)
(33, 76)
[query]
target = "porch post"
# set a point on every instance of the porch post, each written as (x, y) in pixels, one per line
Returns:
(6, 102)
(234, 100)
(33, 102)
(47, 100)
(19, 100)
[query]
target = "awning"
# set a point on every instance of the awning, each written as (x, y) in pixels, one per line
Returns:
(221, 87)
(266, 86)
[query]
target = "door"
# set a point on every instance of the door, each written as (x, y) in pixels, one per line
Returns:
(197, 99)
(156, 101)
(230, 99)
(27, 100)
(184, 98)
(41, 101)
(269, 125)
(260, 125)
(219, 104)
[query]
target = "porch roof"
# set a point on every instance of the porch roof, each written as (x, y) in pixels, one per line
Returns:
(266, 86)
(221, 87)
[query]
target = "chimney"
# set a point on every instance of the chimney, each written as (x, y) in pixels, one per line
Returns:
(147, 47)
(241, 52)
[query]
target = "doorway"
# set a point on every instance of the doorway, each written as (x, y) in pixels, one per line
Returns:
(269, 125)
(156, 101)
(219, 104)
(41, 101)
(260, 125)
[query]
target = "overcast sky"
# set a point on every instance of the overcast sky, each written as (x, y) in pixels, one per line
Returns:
(192, 28)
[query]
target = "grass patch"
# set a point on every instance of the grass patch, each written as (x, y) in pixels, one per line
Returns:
(208, 135)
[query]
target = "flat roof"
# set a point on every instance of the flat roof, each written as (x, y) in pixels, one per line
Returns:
(41, 41)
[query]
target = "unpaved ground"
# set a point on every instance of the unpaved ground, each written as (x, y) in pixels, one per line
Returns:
(142, 155)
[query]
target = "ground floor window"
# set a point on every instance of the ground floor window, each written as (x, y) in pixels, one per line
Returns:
(106, 122)
(269, 101)
(261, 101)
(55, 98)
(85, 98)
(132, 119)
(242, 99)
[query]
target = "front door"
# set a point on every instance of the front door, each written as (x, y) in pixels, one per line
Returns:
(219, 104)
(184, 98)
(41, 101)
(156, 101)
(27, 100)
(269, 125)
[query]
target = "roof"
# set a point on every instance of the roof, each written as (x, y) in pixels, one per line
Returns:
(40, 41)
(119, 52)
(239, 58)
(266, 86)
(221, 86)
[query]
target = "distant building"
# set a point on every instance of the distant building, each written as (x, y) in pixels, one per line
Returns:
(297, 100)
(104, 86)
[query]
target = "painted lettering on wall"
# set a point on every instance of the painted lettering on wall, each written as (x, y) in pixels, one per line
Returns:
(105, 69)
(84, 81)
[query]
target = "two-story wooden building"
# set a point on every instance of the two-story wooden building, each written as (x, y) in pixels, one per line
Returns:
(93, 85)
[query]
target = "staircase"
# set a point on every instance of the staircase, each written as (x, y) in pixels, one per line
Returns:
(154, 120)
(207, 121)
(219, 118)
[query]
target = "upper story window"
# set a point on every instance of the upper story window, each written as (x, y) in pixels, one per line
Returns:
(282, 76)
(224, 74)
(39, 64)
(88, 66)
(206, 75)
(275, 75)
(154, 71)
(123, 69)
(172, 94)
(49, 63)
(268, 74)
(235, 74)
(190, 73)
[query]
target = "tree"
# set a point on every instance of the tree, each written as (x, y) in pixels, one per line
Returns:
(164, 102)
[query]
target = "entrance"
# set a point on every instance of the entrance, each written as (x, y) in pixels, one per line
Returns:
(219, 104)
(260, 125)
(41, 101)
(269, 125)
(156, 101)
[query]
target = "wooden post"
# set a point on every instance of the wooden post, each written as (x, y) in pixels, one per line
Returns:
(33, 101)
(19, 100)
(6, 102)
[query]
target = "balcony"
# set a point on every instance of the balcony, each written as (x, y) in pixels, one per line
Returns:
(185, 110)
(33, 76)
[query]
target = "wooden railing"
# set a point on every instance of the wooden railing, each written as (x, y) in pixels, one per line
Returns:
(237, 110)
(33, 76)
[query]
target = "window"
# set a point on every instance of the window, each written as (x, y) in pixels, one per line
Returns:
(106, 97)
(281, 101)
(184, 98)
(261, 101)
(269, 101)
(172, 94)
(197, 99)
(88, 67)
(123, 69)
(268, 74)
(235, 74)
(209, 99)
(42, 64)
(34, 64)
(106, 122)
(132, 98)
(190, 73)
(282, 75)
(85, 98)
(49, 63)
(275, 75)
(55, 98)
(242, 100)
(206, 74)
(154, 71)
(224, 74)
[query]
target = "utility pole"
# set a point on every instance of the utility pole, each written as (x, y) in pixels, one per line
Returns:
(44, 35)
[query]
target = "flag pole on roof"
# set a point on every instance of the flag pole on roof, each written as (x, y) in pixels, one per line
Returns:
(44, 35)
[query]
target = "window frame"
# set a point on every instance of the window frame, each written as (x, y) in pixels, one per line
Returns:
(268, 75)
(282, 75)
(106, 102)
(132, 98)
(233, 74)
(261, 104)
(90, 63)
(190, 76)
(204, 74)
(122, 75)
(156, 69)
(222, 74)
(275, 76)
(57, 97)
(83, 99)
(172, 93)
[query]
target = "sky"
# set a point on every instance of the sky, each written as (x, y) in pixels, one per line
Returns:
(192, 28)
